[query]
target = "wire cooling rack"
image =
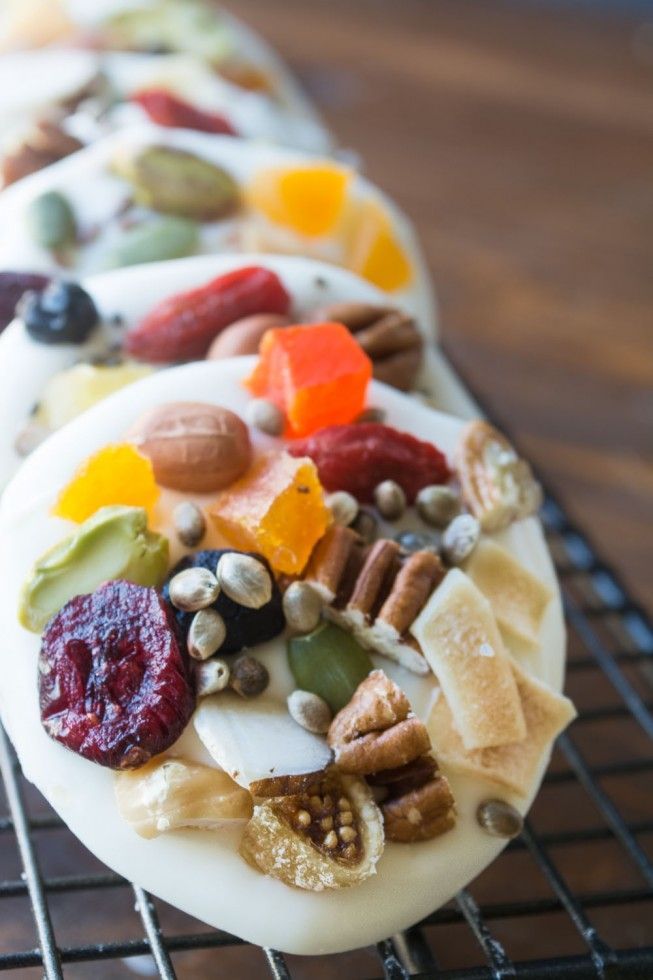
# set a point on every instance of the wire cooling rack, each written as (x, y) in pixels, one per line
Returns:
(571, 898)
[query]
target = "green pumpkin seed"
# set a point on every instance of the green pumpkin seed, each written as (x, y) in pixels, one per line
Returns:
(51, 220)
(328, 662)
(175, 182)
(155, 241)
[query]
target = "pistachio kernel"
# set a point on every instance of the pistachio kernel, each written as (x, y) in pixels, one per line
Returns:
(459, 539)
(193, 589)
(265, 416)
(390, 500)
(437, 506)
(343, 507)
(366, 525)
(499, 818)
(189, 522)
(310, 711)
(244, 579)
(302, 607)
(249, 677)
(206, 635)
(51, 220)
(211, 676)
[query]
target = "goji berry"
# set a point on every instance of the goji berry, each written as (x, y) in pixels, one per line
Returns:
(182, 327)
(166, 109)
(358, 457)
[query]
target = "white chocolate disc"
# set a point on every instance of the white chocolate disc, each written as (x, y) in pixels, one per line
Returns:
(98, 197)
(26, 366)
(35, 83)
(30, 82)
(201, 872)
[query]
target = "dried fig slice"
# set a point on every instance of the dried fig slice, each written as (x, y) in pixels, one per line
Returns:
(331, 836)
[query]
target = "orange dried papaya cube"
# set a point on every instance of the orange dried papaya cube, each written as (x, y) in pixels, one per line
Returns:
(316, 374)
(372, 247)
(308, 199)
(277, 509)
(117, 474)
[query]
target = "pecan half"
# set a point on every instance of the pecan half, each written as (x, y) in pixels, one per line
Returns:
(378, 736)
(388, 336)
(497, 485)
(328, 563)
(377, 729)
(373, 593)
(421, 813)
(44, 145)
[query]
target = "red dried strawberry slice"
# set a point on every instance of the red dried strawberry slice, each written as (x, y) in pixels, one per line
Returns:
(114, 685)
(166, 109)
(182, 327)
(358, 457)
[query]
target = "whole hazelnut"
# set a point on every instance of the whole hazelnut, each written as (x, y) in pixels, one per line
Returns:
(244, 336)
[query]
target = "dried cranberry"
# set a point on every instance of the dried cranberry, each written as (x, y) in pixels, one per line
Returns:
(113, 682)
(358, 457)
(12, 287)
(245, 627)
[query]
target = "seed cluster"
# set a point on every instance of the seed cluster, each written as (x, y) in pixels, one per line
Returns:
(328, 819)
(247, 582)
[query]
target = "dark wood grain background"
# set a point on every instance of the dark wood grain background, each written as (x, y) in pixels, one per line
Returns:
(519, 138)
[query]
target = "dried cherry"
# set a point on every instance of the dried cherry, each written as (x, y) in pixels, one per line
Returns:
(114, 684)
(245, 627)
(358, 457)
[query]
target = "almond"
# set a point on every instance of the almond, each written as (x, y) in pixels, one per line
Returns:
(244, 336)
(193, 446)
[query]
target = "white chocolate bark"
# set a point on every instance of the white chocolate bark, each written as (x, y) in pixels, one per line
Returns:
(26, 366)
(33, 84)
(97, 197)
(183, 867)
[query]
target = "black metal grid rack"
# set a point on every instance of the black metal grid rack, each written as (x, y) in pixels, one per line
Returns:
(583, 871)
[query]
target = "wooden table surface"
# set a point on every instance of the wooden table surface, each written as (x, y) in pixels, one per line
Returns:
(520, 141)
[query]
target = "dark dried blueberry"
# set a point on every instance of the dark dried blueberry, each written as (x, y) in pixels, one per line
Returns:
(245, 627)
(63, 313)
(411, 541)
(114, 684)
(12, 287)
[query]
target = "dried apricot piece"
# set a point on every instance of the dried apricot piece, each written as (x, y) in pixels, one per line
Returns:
(117, 474)
(317, 375)
(372, 247)
(276, 509)
(308, 199)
